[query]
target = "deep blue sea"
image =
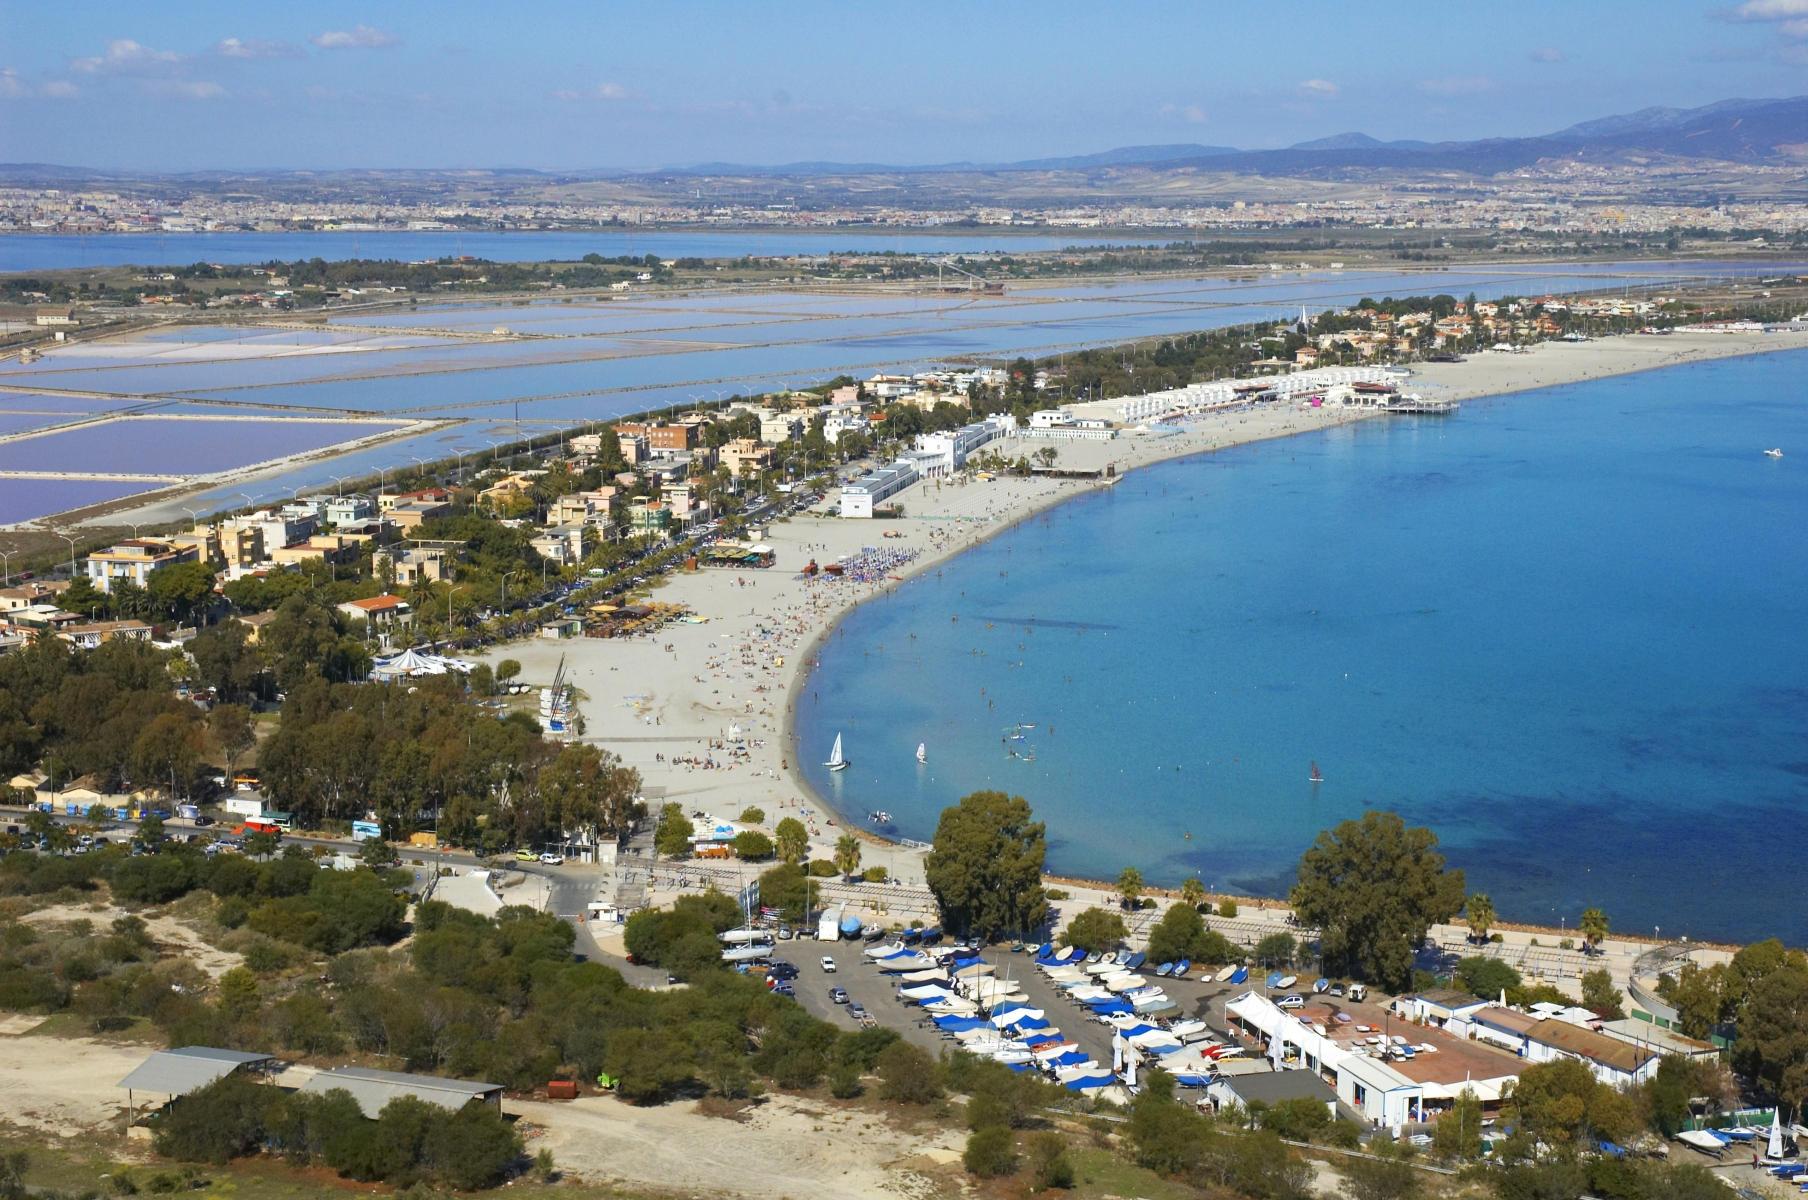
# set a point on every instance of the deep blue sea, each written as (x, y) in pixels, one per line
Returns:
(1567, 630)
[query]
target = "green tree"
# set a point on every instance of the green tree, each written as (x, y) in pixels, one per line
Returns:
(376, 852)
(1667, 1093)
(753, 816)
(1486, 977)
(1130, 884)
(150, 834)
(1095, 930)
(588, 790)
(1459, 1130)
(847, 854)
(1594, 928)
(182, 591)
(1773, 1031)
(986, 867)
(1599, 994)
(239, 998)
(792, 840)
(507, 670)
(1380, 1179)
(233, 733)
(1374, 888)
(673, 838)
(1699, 995)
(215, 1124)
(1481, 915)
(752, 845)
(1049, 1160)
(907, 1074)
(1227, 909)
(1192, 893)
(788, 888)
(1276, 950)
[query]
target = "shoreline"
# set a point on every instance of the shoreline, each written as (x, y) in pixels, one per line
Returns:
(761, 654)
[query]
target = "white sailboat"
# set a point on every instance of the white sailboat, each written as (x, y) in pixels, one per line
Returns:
(922, 752)
(836, 762)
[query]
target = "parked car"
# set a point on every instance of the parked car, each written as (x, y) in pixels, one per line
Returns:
(525, 855)
(828, 964)
(1336, 991)
(838, 995)
(551, 859)
(1291, 1002)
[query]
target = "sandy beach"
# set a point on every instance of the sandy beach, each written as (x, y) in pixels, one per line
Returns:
(669, 705)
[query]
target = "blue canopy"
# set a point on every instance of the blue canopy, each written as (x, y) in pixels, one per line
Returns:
(966, 962)
(1106, 1007)
(1193, 1080)
(1073, 954)
(1139, 1027)
(1069, 1058)
(1045, 949)
(1033, 1023)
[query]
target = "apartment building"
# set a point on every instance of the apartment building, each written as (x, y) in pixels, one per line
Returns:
(134, 561)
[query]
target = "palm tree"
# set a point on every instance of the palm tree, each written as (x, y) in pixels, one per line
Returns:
(847, 854)
(1481, 915)
(1594, 928)
(1192, 892)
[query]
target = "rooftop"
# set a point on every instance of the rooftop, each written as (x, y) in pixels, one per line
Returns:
(1592, 1046)
(179, 1072)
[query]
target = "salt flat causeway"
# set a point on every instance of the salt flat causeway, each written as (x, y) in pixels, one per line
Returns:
(1565, 629)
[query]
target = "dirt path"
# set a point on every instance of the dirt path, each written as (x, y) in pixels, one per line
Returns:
(170, 934)
(786, 1147)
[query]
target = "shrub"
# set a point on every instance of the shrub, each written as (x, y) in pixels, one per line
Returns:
(786, 888)
(1227, 908)
(1300, 1119)
(909, 1075)
(264, 956)
(752, 815)
(152, 878)
(1057, 894)
(1049, 1160)
(876, 874)
(990, 1152)
(218, 1123)
(822, 868)
(1094, 930)
(752, 845)
(844, 1081)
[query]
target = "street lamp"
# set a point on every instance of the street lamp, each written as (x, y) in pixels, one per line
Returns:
(194, 517)
(71, 542)
(505, 579)
(6, 557)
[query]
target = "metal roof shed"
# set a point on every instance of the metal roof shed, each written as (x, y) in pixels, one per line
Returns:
(179, 1072)
(373, 1089)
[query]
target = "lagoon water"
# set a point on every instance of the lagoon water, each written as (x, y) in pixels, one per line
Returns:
(1565, 629)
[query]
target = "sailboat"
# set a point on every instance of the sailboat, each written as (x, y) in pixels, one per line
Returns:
(1777, 453)
(922, 752)
(836, 762)
(1316, 777)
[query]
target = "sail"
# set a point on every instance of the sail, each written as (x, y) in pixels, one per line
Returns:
(1775, 1149)
(835, 754)
(922, 751)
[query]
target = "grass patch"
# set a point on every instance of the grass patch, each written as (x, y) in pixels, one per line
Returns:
(74, 1025)
(1099, 1173)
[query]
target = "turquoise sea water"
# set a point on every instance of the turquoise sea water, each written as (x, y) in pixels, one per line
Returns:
(1565, 629)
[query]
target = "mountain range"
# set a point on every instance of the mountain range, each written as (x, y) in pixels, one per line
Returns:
(1746, 131)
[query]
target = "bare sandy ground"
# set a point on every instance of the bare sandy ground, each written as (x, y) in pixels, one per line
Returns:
(63, 1086)
(170, 934)
(785, 1147)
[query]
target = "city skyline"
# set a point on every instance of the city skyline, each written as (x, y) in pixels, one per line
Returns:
(387, 86)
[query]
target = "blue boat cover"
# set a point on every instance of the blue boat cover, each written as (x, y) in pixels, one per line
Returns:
(1193, 1080)
(1107, 1007)
(1034, 1023)
(1018, 1066)
(1182, 967)
(1086, 1083)
(1136, 960)
(1071, 1058)
(1240, 975)
(960, 1024)
(1274, 979)
(1136, 1029)
(1045, 949)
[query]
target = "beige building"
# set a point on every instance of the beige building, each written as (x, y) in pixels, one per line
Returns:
(134, 561)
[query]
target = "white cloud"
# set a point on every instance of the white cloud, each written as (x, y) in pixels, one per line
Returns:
(602, 91)
(361, 37)
(1191, 113)
(14, 87)
(1790, 17)
(257, 48)
(1318, 88)
(185, 89)
(127, 56)
(1548, 54)
(1457, 87)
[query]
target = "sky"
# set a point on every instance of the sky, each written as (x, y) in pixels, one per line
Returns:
(562, 86)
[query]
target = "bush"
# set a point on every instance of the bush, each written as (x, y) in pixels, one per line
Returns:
(264, 956)
(1094, 930)
(822, 868)
(1227, 908)
(876, 874)
(218, 1123)
(909, 1075)
(786, 888)
(752, 815)
(1371, 1179)
(844, 1081)
(752, 845)
(1057, 894)
(1049, 1161)
(673, 838)
(153, 878)
(990, 1153)
(1486, 977)
(1300, 1119)
(862, 1049)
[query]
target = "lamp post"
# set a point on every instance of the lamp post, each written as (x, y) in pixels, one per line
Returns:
(194, 518)
(71, 542)
(6, 558)
(449, 590)
(505, 579)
